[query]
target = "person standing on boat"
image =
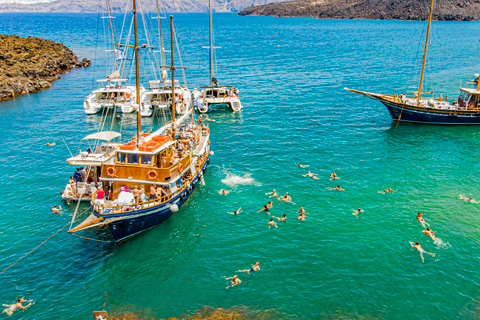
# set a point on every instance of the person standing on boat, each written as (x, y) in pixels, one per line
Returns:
(136, 193)
(402, 97)
(100, 201)
(153, 192)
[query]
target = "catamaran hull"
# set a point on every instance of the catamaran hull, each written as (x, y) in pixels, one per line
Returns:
(151, 217)
(428, 117)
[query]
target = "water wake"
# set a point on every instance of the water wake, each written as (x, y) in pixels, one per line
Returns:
(233, 180)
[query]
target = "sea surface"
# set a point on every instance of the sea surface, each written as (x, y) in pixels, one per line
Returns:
(291, 73)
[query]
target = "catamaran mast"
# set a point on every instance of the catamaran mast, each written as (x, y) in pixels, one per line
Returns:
(425, 51)
(173, 79)
(212, 72)
(137, 72)
(162, 46)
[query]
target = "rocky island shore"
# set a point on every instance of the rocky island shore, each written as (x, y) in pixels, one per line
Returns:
(445, 10)
(32, 64)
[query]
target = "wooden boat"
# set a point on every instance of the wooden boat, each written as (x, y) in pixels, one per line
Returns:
(430, 110)
(173, 158)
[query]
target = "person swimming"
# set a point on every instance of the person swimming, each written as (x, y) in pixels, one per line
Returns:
(265, 208)
(421, 220)
(255, 267)
(417, 246)
(235, 281)
(389, 190)
(338, 188)
(286, 198)
(51, 144)
(301, 210)
(311, 175)
(281, 219)
(223, 191)
(274, 194)
(468, 199)
(235, 212)
(56, 209)
(270, 205)
(302, 166)
(333, 176)
(356, 212)
(430, 233)
(11, 308)
(271, 223)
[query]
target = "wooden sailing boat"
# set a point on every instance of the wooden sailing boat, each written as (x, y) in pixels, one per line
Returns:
(420, 109)
(172, 159)
(215, 94)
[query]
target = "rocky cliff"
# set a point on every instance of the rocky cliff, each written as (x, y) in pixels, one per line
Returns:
(118, 5)
(452, 10)
(31, 64)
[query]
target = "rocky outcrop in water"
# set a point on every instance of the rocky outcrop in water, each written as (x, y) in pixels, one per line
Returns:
(31, 64)
(447, 10)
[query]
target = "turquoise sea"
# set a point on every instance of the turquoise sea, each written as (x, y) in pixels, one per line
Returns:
(291, 73)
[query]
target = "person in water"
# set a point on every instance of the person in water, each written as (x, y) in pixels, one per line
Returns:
(255, 267)
(339, 188)
(356, 212)
(301, 210)
(430, 233)
(235, 212)
(281, 219)
(389, 190)
(468, 199)
(301, 217)
(51, 144)
(270, 205)
(271, 223)
(286, 198)
(56, 209)
(11, 308)
(274, 194)
(302, 165)
(333, 176)
(417, 246)
(235, 281)
(265, 208)
(421, 220)
(223, 191)
(311, 175)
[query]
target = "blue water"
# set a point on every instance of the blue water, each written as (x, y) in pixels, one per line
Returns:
(291, 73)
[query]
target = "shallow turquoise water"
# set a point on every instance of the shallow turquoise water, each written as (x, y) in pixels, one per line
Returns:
(295, 110)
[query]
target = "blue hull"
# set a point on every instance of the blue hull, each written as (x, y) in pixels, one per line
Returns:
(428, 117)
(150, 217)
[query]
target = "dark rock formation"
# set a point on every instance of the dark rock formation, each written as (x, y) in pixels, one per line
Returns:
(31, 64)
(451, 10)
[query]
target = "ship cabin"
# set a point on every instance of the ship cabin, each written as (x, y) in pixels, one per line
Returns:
(157, 161)
(219, 92)
(113, 91)
(160, 92)
(469, 99)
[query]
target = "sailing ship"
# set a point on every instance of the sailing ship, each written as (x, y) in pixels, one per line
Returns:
(215, 94)
(430, 110)
(170, 162)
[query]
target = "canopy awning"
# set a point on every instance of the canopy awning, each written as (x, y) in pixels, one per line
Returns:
(104, 135)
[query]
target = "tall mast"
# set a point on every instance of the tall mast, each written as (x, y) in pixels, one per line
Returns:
(425, 51)
(137, 72)
(173, 79)
(113, 33)
(212, 73)
(162, 47)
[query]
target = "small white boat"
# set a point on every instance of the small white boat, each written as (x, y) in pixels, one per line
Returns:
(112, 93)
(159, 96)
(219, 95)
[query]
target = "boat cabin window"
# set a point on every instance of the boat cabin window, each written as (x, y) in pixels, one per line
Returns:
(133, 158)
(147, 159)
(121, 157)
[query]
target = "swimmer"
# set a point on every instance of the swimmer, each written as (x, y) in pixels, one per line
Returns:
(11, 308)
(55, 209)
(235, 212)
(302, 165)
(430, 233)
(209, 119)
(286, 198)
(417, 246)
(301, 217)
(281, 219)
(255, 267)
(338, 188)
(356, 212)
(468, 199)
(223, 191)
(270, 205)
(271, 223)
(421, 220)
(234, 282)
(274, 194)
(389, 190)
(51, 144)
(311, 175)
(265, 208)
(301, 210)
(333, 176)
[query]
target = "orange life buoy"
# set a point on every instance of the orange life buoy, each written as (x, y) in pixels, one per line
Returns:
(152, 174)
(111, 171)
(180, 168)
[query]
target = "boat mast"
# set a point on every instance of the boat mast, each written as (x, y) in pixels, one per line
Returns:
(113, 33)
(162, 47)
(137, 72)
(212, 73)
(173, 79)
(425, 51)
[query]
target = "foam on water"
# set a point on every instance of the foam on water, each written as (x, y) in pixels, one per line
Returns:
(233, 180)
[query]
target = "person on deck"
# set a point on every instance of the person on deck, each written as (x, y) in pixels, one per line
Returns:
(153, 192)
(136, 194)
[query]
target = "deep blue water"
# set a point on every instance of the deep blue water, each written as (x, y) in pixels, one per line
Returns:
(291, 73)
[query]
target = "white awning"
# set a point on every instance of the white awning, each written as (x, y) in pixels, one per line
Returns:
(104, 135)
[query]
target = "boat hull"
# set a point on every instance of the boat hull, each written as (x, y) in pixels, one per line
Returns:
(427, 116)
(151, 217)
